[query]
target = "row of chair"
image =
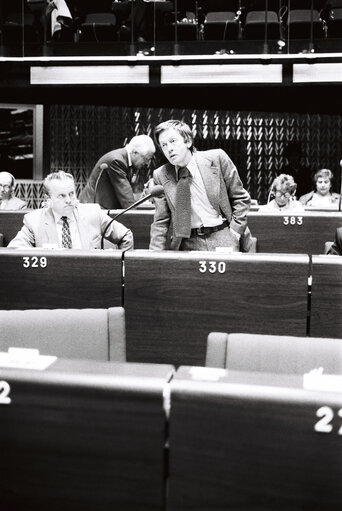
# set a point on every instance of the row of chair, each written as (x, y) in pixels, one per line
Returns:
(100, 334)
(195, 20)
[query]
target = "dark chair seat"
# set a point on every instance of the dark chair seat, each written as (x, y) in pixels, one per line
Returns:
(16, 24)
(99, 26)
(218, 5)
(255, 25)
(221, 25)
(299, 24)
(186, 31)
(335, 25)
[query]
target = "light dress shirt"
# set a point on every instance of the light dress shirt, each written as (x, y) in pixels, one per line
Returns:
(202, 212)
(75, 236)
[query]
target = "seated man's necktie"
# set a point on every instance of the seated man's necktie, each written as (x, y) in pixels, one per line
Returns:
(66, 234)
(182, 221)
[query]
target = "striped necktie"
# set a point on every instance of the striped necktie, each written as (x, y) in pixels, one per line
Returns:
(182, 220)
(66, 234)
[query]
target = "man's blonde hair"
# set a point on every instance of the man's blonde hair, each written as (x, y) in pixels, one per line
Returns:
(60, 175)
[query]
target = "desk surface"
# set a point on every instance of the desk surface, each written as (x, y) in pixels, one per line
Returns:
(49, 279)
(174, 299)
(252, 442)
(84, 436)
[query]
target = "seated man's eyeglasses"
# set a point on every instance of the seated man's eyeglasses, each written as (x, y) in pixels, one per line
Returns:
(5, 187)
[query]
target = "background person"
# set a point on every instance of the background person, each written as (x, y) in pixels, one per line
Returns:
(283, 189)
(336, 247)
(8, 201)
(64, 223)
(121, 183)
(213, 210)
(322, 196)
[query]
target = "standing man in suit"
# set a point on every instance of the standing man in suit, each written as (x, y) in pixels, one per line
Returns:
(204, 196)
(64, 223)
(8, 200)
(117, 180)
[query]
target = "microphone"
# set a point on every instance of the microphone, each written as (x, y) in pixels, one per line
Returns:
(156, 191)
(103, 166)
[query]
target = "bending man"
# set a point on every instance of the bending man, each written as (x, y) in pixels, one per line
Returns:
(117, 180)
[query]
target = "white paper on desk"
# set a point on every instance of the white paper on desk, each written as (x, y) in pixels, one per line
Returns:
(24, 358)
(315, 380)
(207, 373)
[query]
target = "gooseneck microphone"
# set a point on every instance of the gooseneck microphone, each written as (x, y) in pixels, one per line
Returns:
(156, 191)
(101, 167)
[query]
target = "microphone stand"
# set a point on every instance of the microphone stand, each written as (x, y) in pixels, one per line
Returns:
(311, 44)
(176, 46)
(142, 199)
(132, 46)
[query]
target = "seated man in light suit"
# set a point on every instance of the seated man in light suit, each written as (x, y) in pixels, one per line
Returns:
(204, 196)
(64, 223)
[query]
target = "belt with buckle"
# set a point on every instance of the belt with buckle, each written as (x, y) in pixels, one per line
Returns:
(203, 231)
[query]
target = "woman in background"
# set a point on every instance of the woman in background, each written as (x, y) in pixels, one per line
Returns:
(322, 196)
(283, 190)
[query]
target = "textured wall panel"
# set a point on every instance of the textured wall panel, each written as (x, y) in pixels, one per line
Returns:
(261, 144)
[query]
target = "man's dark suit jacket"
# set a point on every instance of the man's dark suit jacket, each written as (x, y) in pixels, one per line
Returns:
(112, 187)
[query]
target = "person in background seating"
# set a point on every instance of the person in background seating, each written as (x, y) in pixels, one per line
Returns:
(64, 223)
(322, 196)
(117, 180)
(283, 190)
(204, 196)
(8, 200)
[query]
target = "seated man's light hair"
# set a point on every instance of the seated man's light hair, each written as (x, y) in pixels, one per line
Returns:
(59, 175)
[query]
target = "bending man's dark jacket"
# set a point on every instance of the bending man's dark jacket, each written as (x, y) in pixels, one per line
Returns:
(112, 187)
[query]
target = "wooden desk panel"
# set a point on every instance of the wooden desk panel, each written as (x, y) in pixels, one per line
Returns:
(10, 223)
(248, 441)
(59, 279)
(305, 235)
(172, 304)
(139, 221)
(275, 233)
(84, 436)
(326, 297)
